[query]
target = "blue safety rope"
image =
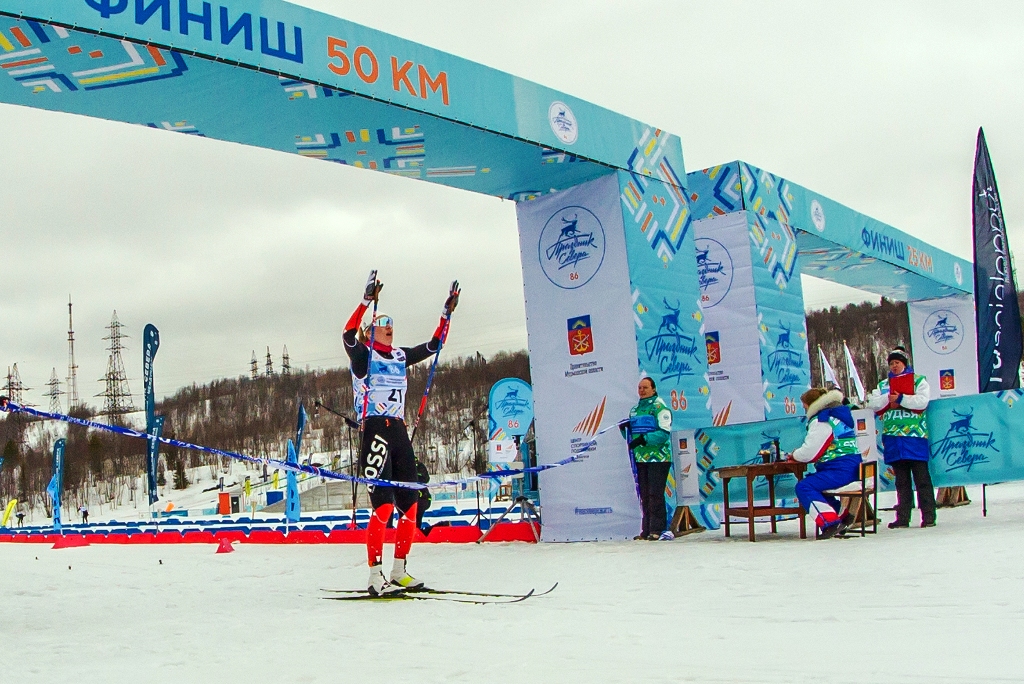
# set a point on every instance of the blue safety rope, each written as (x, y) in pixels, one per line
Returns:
(12, 407)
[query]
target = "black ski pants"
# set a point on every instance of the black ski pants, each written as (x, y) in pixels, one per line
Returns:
(906, 470)
(386, 454)
(651, 478)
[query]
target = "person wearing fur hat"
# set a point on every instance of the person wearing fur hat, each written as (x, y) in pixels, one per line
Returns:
(831, 445)
(900, 401)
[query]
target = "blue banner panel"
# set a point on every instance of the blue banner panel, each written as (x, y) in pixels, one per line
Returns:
(292, 509)
(997, 312)
(275, 75)
(666, 292)
(150, 345)
(835, 242)
(715, 191)
(154, 429)
(977, 439)
(840, 264)
(782, 327)
(162, 89)
(732, 445)
(775, 197)
(56, 487)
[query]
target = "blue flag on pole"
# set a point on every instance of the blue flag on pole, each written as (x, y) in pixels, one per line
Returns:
(150, 345)
(57, 481)
(300, 428)
(995, 293)
(291, 507)
(154, 425)
(153, 455)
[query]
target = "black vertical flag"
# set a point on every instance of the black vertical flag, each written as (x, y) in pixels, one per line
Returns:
(995, 294)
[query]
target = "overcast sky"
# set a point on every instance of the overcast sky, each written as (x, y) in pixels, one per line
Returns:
(229, 249)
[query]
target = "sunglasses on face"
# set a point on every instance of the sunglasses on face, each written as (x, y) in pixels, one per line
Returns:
(384, 322)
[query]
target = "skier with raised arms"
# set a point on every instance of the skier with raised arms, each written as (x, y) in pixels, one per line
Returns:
(379, 385)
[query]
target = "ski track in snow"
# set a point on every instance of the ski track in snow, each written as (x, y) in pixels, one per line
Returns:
(939, 605)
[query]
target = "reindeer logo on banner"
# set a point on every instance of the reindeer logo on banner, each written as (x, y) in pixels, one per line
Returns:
(714, 271)
(673, 352)
(572, 247)
(964, 445)
(784, 362)
(943, 331)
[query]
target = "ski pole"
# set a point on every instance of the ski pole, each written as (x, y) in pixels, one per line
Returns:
(369, 355)
(453, 291)
(348, 421)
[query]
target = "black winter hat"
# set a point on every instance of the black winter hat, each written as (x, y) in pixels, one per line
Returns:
(898, 354)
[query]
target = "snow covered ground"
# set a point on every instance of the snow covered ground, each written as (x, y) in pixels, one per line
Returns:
(936, 605)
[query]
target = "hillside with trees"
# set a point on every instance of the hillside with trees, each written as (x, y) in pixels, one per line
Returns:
(255, 417)
(869, 330)
(258, 416)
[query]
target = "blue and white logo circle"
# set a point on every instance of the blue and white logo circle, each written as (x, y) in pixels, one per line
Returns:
(714, 271)
(818, 216)
(571, 247)
(563, 122)
(943, 331)
(958, 273)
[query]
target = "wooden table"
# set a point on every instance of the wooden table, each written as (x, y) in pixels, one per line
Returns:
(769, 471)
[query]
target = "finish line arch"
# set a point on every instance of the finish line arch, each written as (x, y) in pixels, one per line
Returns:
(281, 77)
(605, 208)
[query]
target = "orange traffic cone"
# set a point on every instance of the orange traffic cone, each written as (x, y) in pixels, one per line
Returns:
(225, 546)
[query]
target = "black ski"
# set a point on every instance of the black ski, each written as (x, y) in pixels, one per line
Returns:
(446, 592)
(422, 596)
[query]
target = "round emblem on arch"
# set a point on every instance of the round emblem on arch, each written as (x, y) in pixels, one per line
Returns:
(818, 216)
(943, 331)
(571, 247)
(714, 271)
(958, 273)
(563, 122)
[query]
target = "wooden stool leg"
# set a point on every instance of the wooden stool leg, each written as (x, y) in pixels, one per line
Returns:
(852, 507)
(725, 503)
(856, 510)
(803, 513)
(750, 507)
(684, 522)
(771, 499)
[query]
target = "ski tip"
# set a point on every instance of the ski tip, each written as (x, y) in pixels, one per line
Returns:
(534, 593)
(520, 599)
